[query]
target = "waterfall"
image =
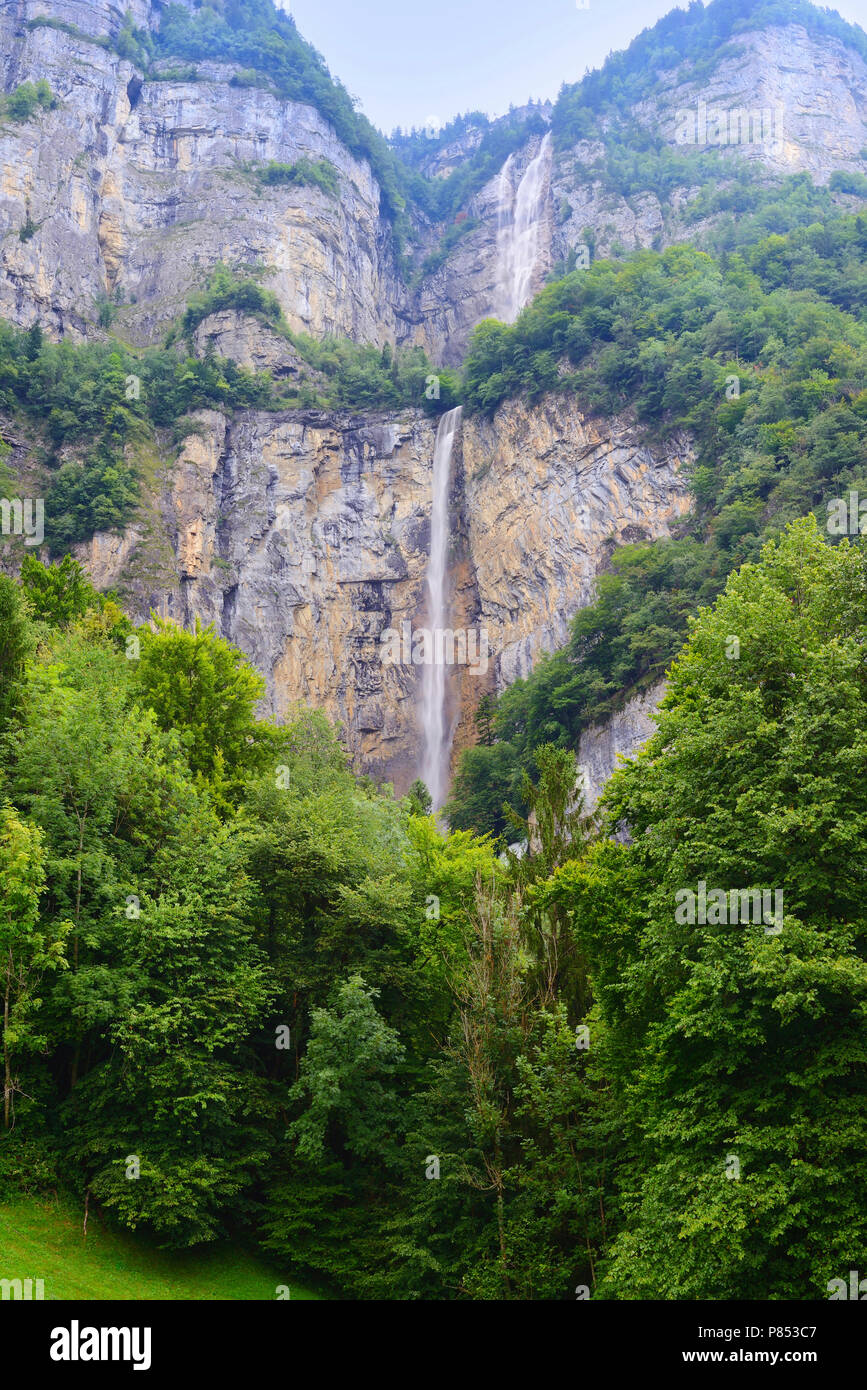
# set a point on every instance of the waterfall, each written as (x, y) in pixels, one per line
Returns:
(505, 214)
(519, 224)
(435, 760)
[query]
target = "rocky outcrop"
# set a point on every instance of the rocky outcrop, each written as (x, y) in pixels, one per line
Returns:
(301, 537)
(135, 190)
(816, 89)
(550, 492)
(256, 348)
(449, 303)
(99, 18)
(602, 746)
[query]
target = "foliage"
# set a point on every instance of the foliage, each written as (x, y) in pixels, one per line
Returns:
(295, 1009)
(26, 951)
(737, 1041)
(319, 173)
(57, 594)
(486, 778)
(760, 358)
(16, 645)
(25, 100)
(419, 798)
(203, 689)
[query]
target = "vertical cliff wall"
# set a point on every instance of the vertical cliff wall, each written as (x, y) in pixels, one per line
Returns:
(304, 536)
(137, 190)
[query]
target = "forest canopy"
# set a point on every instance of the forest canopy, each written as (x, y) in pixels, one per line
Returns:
(253, 997)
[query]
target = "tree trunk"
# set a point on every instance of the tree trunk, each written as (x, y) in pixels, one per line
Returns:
(7, 1064)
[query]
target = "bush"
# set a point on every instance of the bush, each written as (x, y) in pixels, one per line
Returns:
(319, 173)
(843, 182)
(27, 99)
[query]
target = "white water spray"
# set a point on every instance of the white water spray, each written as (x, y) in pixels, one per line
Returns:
(519, 226)
(435, 761)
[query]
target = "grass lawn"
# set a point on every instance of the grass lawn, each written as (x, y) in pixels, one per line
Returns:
(44, 1240)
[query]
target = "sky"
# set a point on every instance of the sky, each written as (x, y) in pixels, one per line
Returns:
(416, 63)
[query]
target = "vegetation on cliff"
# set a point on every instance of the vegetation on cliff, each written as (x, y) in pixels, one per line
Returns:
(87, 405)
(689, 42)
(265, 44)
(761, 357)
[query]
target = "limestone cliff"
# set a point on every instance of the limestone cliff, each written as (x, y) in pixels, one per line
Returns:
(550, 492)
(138, 189)
(602, 746)
(301, 536)
(304, 536)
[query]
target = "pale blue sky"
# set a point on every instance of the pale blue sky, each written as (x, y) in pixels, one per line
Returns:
(411, 61)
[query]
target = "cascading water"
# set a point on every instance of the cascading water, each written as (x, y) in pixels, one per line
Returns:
(505, 216)
(519, 224)
(435, 761)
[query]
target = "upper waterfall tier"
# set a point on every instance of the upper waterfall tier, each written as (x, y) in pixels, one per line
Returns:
(520, 218)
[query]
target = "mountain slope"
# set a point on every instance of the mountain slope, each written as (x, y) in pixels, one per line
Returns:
(180, 176)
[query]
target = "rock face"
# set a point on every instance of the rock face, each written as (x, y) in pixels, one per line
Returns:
(549, 494)
(139, 189)
(816, 90)
(99, 18)
(603, 745)
(304, 537)
(230, 334)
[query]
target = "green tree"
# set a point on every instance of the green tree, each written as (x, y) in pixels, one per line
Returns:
(484, 719)
(179, 1090)
(419, 799)
(27, 948)
(207, 691)
(58, 594)
(16, 645)
(737, 1051)
(335, 1188)
(553, 832)
(486, 778)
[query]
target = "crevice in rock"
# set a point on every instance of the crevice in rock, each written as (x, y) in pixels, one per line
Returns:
(227, 617)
